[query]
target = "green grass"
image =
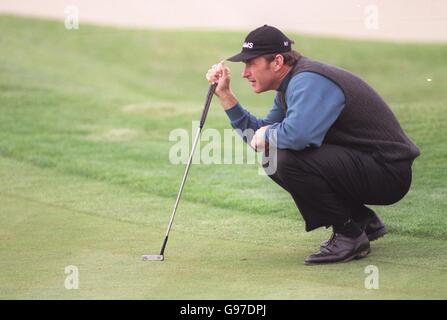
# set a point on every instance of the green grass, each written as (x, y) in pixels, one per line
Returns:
(86, 178)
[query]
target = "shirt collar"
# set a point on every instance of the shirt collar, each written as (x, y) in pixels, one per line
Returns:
(285, 82)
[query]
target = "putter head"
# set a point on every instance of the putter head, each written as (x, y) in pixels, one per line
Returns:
(153, 257)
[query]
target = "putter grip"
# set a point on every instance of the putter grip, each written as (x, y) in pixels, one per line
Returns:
(209, 96)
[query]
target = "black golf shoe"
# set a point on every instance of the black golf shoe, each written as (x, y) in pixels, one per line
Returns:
(373, 227)
(341, 248)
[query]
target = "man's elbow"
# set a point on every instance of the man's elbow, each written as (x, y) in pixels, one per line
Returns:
(303, 142)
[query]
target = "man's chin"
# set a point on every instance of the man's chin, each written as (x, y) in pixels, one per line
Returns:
(257, 90)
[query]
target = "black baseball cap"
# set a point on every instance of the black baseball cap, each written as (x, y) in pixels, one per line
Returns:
(263, 40)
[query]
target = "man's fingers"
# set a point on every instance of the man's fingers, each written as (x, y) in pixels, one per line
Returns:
(213, 74)
(209, 76)
(225, 72)
(220, 65)
(253, 143)
(217, 72)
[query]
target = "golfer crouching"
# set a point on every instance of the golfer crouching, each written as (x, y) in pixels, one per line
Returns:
(339, 145)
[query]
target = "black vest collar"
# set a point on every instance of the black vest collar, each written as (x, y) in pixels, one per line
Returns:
(285, 82)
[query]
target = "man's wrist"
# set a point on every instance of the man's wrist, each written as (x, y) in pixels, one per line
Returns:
(227, 100)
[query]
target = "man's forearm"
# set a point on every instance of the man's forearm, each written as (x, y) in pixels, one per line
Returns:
(227, 100)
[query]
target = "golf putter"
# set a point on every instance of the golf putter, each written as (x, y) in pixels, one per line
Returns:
(160, 257)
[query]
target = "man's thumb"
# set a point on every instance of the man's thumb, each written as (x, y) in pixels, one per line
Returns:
(224, 69)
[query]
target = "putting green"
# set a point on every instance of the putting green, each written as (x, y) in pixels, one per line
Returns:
(50, 221)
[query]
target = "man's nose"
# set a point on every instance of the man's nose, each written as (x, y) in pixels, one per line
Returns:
(245, 72)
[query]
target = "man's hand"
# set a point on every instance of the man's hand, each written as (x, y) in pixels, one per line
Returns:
(220, 74)
(258, 141)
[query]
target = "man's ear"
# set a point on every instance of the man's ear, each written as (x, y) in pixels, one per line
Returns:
(279, 62)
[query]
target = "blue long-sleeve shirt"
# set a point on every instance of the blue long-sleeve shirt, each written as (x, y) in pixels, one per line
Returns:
(313, 104)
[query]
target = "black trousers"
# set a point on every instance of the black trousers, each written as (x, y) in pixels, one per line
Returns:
(332, 184)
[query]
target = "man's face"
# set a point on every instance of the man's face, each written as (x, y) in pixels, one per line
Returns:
(260, 74)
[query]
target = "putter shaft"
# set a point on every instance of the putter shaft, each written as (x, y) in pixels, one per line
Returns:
(209, 96)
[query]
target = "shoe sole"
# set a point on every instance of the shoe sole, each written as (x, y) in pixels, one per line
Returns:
(362, 253)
